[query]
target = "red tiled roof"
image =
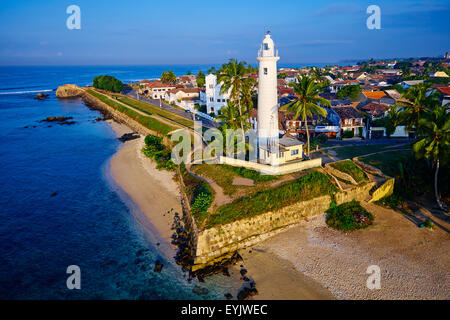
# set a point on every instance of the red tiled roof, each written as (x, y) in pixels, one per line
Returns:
(445, 90)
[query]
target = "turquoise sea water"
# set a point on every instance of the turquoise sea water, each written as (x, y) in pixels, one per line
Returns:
(86, 223)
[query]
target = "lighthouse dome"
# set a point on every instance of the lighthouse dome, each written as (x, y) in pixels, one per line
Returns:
(268, 47)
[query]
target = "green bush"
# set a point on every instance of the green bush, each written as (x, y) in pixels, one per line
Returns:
(347, 134)
(157, 151)
(348, 216)
(428, 224)
(109, 83)
(351, 169)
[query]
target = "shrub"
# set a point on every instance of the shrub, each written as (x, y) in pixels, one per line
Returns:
(348, 216)
(109, 83)
(157, 151)
(428, 224)
(347, 134)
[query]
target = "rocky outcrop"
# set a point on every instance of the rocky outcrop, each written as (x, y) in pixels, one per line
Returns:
(41, 96)
(69, 91)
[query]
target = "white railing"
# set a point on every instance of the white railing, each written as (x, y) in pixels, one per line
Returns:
(203, 115)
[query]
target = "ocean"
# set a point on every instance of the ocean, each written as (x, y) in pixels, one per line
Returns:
(58, 206)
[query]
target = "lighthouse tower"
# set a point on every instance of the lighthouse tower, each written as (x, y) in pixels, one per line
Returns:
(267, 94)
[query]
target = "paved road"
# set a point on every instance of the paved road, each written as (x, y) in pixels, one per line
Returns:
(207, 123)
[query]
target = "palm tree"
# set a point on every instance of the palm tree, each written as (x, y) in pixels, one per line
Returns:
(434, 144)
(229, 114)
(417, 103)
(168, 77)
(307, 101)
(232, 75)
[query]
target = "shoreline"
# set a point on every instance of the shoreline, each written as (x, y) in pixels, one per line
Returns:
(153, 195)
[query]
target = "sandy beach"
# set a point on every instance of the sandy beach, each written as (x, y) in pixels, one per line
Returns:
(414, 262)
(154, 192)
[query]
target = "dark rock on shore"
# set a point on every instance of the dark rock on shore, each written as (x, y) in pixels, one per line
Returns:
(158, 266)
(200, 290)
(129, 136)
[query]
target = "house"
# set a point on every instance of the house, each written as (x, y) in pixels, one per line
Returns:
(212, 97)
(391, 97)
(286, 150)
(361, 76)
(338, 85)
(367, 96)
(156, 89)
(408, 84)
(189, 81)
(444, 94)
(348, 119)
(439, 74)
(186, 98)
(375, 110)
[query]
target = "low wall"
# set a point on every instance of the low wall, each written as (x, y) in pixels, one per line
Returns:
(273, 170)
(385, 190)
(217, 241)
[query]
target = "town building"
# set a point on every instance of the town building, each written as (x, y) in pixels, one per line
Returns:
(212, 96)
(185, 98)
(348, 119)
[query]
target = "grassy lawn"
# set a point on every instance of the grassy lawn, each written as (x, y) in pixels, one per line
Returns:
(148, 122)
(148, 108)
(224, 175)
(351, 169)
(355, 151)
(310, 186)
(388, 162)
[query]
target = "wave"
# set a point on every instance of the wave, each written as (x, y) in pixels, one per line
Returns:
(22, 92)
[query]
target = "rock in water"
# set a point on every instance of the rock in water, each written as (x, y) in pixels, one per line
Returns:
(200, 290)
(69, 91)
(229, 296)
(41, 96)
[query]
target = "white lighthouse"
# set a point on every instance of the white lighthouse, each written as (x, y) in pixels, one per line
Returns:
(267, 95)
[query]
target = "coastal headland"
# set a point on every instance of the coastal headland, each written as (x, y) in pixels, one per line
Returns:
(301, 262)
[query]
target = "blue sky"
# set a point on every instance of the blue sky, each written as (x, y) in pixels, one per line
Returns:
(208, 32)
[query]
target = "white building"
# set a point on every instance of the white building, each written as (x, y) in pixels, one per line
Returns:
(272, 150)
(185, 98)
(212, 96)
(267, 93)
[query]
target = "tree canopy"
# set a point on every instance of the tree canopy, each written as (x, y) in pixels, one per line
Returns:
(109, 83)
(350, 91)
(168, 77)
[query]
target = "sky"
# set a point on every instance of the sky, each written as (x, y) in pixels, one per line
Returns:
(34, 32)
